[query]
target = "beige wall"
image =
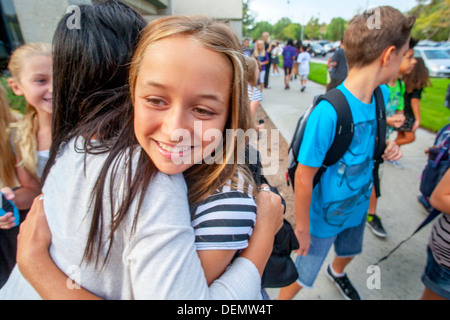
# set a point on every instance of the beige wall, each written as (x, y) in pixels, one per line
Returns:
(38, 18)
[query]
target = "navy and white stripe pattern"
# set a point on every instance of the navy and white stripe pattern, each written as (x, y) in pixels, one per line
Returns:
(225, 220)
(440, 240)
(254, 94)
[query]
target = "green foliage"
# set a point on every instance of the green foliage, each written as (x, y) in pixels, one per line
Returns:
(434, 115)
(432, 20)
(336, 28)
(318, 72)
(15, 102)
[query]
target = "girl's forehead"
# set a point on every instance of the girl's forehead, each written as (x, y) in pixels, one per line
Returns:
(37, 64)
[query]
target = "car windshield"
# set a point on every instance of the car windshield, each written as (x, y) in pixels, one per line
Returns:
(437, 54)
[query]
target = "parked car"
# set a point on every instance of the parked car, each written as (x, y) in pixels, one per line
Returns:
(317, 49)
(436, 59)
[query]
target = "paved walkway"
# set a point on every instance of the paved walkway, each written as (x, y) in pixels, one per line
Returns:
(401, 213)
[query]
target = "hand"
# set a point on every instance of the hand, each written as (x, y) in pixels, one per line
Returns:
(416, 125)
(396, 120)
(34, 237)
(392, 151)
(270, 210)
(304, 240)
(7, 221)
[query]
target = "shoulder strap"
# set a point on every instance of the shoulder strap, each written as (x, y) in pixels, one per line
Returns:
(380, 142)
(344, 126)
(344, 129)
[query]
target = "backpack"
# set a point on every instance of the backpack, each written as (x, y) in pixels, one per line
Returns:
(280, 270)
(343, 136)
(437, 164)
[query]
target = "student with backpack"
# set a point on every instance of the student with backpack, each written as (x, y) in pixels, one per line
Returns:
(334, 210)
(395, 119)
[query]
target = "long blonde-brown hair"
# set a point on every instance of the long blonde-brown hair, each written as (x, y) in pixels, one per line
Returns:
(7, 160)
(204, 179)
(25, 140)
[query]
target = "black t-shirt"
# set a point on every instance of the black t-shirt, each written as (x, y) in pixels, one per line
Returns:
(417, 93)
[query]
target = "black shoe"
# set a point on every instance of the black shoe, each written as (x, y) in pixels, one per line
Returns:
(344, 285)
(374, 223)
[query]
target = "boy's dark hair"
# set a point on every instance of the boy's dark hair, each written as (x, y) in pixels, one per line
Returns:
(364, 43)
(290, 42)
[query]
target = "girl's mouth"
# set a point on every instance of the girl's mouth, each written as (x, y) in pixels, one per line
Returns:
(171, 151)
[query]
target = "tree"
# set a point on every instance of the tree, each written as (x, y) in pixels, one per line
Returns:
(432, 20)
(336, 28)
(312, 29)
(247, 18)
(260, 27)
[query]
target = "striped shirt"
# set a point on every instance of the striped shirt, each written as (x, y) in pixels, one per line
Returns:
(439, 241)
(225, 220)
(254, 94)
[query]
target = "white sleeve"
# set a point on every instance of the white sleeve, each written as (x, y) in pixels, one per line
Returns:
(162, 259)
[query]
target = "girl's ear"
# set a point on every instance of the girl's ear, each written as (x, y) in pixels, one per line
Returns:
(15, 87)
(386, 56)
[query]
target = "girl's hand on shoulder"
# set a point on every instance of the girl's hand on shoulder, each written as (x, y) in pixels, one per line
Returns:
(269, 209)
(7, 221)
(34, 237)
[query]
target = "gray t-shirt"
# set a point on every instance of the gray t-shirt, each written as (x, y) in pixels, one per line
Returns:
(341, 70)
(158, 261)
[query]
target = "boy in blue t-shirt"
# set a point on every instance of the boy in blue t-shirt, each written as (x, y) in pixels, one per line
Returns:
(334, 211)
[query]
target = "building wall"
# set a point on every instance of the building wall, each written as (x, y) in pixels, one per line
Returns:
(38, 18)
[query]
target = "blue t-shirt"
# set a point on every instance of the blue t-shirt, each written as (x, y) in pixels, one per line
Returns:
(341, 199)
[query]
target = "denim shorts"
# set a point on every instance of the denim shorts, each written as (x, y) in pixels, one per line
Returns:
(436, 277)
(347, 243)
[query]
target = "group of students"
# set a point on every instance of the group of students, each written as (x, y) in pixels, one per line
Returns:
(115, 202)
(137, 224)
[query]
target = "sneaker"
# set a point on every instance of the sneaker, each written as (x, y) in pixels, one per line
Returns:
(303, 88)
(374, 223)
(425, 204)
(344, 285)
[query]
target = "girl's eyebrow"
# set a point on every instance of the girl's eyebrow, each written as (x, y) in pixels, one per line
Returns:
(213, 97)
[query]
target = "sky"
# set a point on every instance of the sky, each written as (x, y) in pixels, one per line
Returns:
(301, 11)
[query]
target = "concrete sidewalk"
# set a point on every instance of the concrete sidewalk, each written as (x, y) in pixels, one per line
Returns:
(398, 208)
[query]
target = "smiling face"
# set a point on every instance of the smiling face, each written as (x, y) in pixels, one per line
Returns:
(182, 88)
(35, 83)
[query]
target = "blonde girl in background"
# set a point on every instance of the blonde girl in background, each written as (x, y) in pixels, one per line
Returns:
(262, 56)
(31, 76)
(25, 143)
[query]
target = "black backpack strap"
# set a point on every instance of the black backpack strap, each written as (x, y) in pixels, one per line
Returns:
(380, 143)
(344, 130)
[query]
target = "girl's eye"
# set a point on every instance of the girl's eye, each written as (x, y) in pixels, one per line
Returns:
(156, 102)
(202, 112)
(40, 81)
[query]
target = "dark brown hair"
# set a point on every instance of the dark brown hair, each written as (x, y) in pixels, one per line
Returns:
(91, 99)
(418, 78)
(365, 43)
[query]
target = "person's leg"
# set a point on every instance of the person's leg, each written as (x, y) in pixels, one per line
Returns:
(308, 266)
(430, 295)
(347, 245)
(373, 220)
(405, 137)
